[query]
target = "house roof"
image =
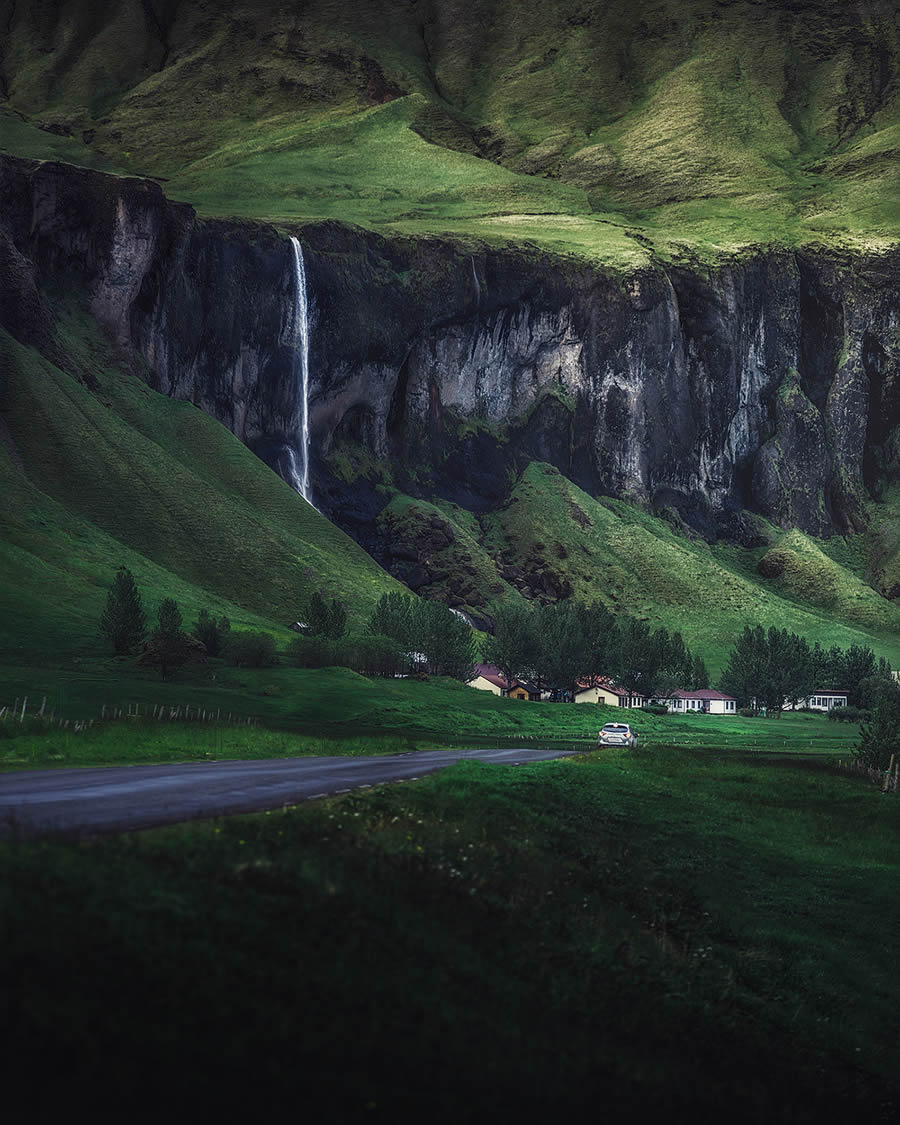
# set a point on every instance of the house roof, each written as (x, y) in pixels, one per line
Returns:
(607, 686)
(492, 674)
(702, 693)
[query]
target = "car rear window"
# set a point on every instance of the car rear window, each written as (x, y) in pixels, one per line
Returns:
(614, 728)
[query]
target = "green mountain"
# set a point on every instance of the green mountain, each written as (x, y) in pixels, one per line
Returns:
(602, 303)
(689, 123)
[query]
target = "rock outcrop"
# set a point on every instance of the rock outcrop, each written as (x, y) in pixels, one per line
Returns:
(770, 383)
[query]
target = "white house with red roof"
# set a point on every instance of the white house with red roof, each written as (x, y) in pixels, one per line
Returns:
(704, 701)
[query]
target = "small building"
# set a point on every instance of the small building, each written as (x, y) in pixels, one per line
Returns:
(704, 701)
(488, 677)
(821, 700)
(610, 694)
(521, 690)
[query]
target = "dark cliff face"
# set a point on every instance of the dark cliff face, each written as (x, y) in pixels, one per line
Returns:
(771, 384)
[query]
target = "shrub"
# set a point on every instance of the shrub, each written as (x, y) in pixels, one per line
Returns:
(251, 650)
(748, 713)
(214, 634)
(849, 714)
(655, 709)
(315, 652)
(380, 656)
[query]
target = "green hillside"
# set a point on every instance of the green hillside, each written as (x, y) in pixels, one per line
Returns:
(552, 539)
(581, 128)
(119, 474)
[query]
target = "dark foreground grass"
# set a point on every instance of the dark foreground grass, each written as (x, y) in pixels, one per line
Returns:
(606, 937)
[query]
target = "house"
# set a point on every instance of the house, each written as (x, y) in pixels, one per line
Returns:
(488, 677)
(704, 701)
(521, 690)
(820, 700)
(606, 692)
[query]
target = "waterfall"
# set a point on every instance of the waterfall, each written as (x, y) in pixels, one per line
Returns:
(300, 475)
(477, 285)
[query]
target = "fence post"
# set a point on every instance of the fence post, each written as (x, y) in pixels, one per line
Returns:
(887, 776)
(24, 702)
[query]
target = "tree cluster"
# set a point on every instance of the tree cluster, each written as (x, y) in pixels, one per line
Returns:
(431, 636)
(768, 668)
(565, 644)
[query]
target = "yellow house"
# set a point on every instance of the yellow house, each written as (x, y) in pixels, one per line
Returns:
(610, 694)
(488, 678)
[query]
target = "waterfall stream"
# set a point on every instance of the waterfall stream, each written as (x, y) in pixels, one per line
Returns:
(300, 474)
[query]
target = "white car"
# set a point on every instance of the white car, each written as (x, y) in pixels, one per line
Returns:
(617, 734)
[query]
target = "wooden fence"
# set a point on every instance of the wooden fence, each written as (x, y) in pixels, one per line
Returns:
(888, 779)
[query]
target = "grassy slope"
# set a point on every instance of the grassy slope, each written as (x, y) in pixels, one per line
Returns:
(700, 123)
(656, 932)
(635, 563)
(123, 475)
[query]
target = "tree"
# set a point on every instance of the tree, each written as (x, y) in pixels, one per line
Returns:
(603, 644)
(337, 620)
(124, 621)
(880, 739)
(168, 639)
(640, 656)
(859, 664)
(798, 661)
(393, 617)
(561, 650)
(700, 677)
(745, 672)
(445, 639)
(511, 646)
(213, 634)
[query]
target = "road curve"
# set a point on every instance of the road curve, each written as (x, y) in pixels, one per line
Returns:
(121, 798)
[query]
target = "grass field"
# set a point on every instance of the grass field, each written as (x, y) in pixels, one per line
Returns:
(333, 710)
(664, 931)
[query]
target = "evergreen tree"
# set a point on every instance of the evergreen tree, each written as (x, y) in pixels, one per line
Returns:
(317, 615)
(699, 676)
(337, 620)
(123, 621)
(168, 639)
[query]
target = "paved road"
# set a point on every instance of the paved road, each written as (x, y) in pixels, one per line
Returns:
(125, 797)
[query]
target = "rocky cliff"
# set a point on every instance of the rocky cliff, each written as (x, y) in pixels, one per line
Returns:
(770, 383)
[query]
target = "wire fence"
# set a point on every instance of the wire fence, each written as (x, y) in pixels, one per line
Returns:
(156, 712)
